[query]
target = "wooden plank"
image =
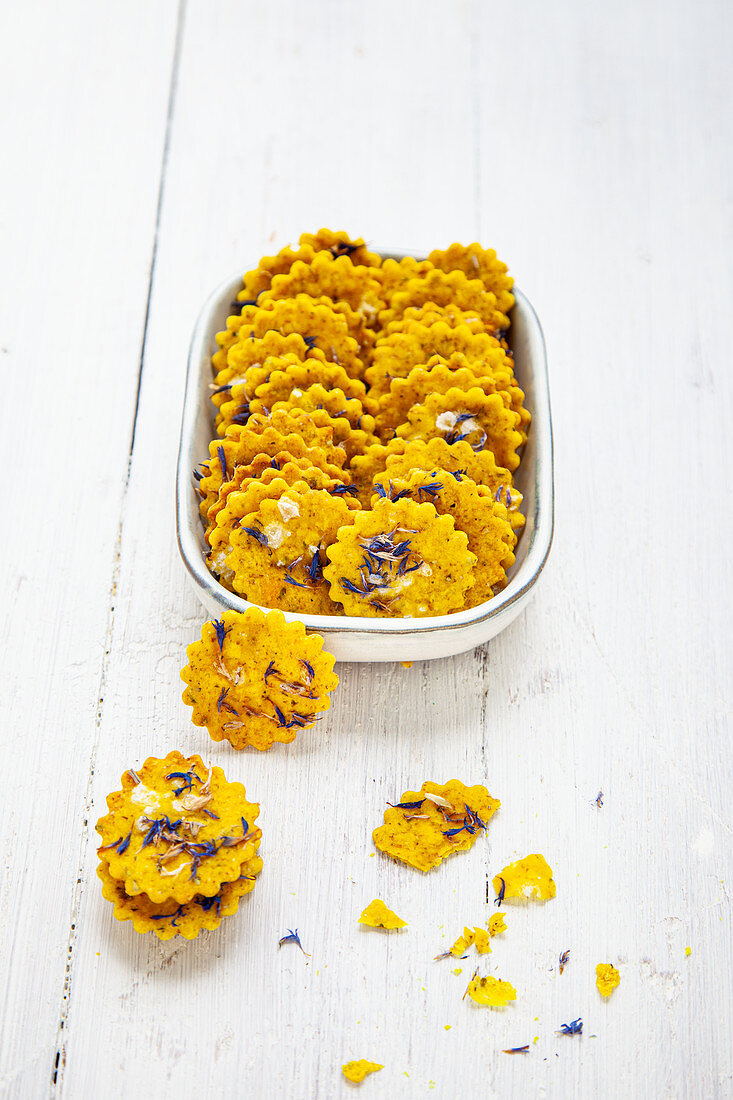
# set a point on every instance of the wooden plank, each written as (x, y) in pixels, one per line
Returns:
(316, 812)
(77, 237)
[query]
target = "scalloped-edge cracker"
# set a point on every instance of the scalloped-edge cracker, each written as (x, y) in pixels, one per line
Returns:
(471, 416)
(171, 918)
(338, 279)
(401, 558)
(255, 679)
(483, 520)
(478, 263)
(428, 825)
(443, 287)
(339, 243)
(278, 552)
(177, 829)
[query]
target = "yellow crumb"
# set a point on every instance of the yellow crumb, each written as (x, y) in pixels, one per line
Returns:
(357, 1071)
(688, 950)
(493, 992)
(458, 970)
(447, 1027)
(607, 978)
(406, 664)
(497, 924)
(377, 915)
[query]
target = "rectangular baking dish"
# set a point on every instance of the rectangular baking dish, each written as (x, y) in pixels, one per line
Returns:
(368, 639)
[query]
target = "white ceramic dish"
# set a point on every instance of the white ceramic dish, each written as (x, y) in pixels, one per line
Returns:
(367, 639)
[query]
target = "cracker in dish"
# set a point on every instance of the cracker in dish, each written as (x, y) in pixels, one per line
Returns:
(400, 558)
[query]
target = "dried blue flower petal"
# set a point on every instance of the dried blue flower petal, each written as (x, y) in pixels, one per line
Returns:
(221, 389)
(564, 960)
(502, 890)
(517, 1050)
(406, 805)
(292, 937)
(124, 844)
(187, 777)
(308, 668)
(459, 474)
(298, 584)
(599, 799)
(221, 632)
(222, 463)
(256, 534)
(167, 916)
(575, 1027)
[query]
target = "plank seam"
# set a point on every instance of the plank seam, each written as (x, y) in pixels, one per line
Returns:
(59, 1062)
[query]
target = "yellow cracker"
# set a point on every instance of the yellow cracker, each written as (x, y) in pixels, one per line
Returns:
(233, 398)
(339, 243)
(483, 420)
(169, 919)
(235, 355)
(528, 878)
(249, 442)
(415, 829)
(396, 354)
(277, 552)
(401, 457)
(440, 376)
(330, 327)
(248, 667)
(401, 558)
(298, 376)
(442, 288)
(160, 837)
(352, 427)
(260, 278)
(333, 278)
(267, 470)
(483, 520)
(429, 313)
(241, 503)
(478, 263)
(394, 274)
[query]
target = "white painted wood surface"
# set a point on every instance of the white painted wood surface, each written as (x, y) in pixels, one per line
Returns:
(590, 144)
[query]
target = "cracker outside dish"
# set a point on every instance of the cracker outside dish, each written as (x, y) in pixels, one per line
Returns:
(427, 826)
(176, 830)
(255, 679)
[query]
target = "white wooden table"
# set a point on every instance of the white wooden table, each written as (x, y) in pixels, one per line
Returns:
(150, 149)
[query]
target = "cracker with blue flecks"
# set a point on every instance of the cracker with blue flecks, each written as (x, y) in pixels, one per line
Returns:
(277, 552)
(252, 440)
(484, 421)
(352, 427)
(171, 918)
(400, 559)
(283, 465)
(254, 679)
(401, 456)
(260, 278)
(483, 520)
(332, 328)
(177, 829)
(236, 356)
(428, 825)
(438, 376)
(239, 505)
